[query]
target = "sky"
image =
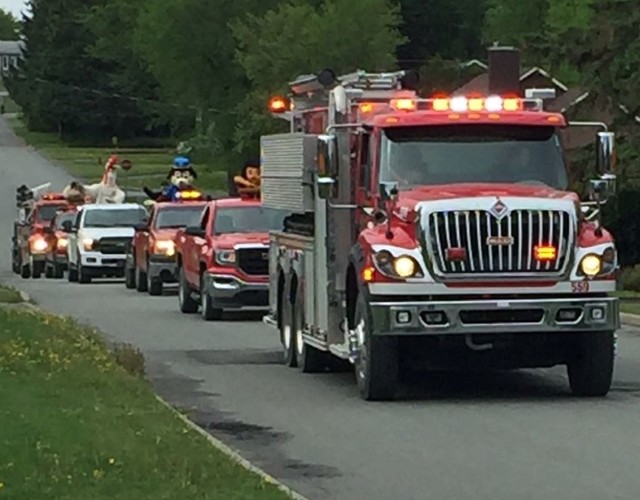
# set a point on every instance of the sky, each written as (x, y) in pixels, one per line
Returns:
(13, 6)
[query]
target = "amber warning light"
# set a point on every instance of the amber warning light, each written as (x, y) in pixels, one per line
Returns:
(278, 104)
(544, 253)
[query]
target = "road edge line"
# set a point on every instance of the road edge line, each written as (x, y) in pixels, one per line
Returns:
(231, 453)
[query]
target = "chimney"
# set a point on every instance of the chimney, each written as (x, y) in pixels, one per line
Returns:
(504, 71)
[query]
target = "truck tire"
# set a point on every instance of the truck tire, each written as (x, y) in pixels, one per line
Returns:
(186, 302)
(154, 285)
(209, 313)
(141, 280)
(377, 368)
(83, 277)
(590, 369)
(36, 269)
(58, 271)
(72, 275)
(15, 262)
(129, 278)
(48, 271)
(308, 358)
(25, 271)
(287, 337)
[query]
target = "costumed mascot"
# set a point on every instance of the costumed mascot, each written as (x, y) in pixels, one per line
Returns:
(180, 178)
(105, 191)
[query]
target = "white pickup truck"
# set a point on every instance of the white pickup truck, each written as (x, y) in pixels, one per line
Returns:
(98, 239)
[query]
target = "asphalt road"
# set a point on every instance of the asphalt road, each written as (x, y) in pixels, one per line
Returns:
(500, 437)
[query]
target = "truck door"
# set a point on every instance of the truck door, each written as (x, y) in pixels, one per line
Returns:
(193, 250)
(141, 242)
(72, 243)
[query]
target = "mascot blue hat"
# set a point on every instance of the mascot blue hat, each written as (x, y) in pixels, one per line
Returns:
(182, 164)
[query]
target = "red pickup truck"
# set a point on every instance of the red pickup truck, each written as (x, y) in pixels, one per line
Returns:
(55, 261)
(151, 258)
(223, 263)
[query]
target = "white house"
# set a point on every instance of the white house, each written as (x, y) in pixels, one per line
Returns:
(10, 54)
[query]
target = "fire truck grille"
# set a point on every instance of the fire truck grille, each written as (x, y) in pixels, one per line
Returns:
(253, 261)
(523, 242)
(111, 246)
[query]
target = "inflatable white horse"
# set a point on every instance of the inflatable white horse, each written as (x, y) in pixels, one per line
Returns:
(105, 191)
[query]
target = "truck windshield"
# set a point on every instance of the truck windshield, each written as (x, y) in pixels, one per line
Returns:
(178, 217)
(114, 218)
(454, 154)
(46, 213)
(248, 220)
(64, 217)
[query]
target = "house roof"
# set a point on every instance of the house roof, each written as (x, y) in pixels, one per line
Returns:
(480, 83)
(11, 47)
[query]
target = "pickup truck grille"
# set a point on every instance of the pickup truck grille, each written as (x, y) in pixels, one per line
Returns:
(253, 261)
(112, 245)
(499, 245)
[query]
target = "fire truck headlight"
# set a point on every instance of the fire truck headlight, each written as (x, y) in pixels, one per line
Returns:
(225, 257)
(88, 243)
(591, 265)
(165, 247)
(39, 245)
(404, 266)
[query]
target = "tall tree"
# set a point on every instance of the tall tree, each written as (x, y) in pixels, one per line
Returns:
(9, 26)
(515, 22)
(297, 38)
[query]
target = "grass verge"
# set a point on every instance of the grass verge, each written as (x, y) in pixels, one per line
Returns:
(629, 301)
(150, 166)
(74, 424)
(9, 295)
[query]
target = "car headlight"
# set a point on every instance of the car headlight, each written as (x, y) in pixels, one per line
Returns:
(403, 266)
(39, 245)
(225, 257)
(593, 265)
(88, 243)
(164, 247)
(62, 243)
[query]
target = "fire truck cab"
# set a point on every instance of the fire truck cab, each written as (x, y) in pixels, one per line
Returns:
(435, 233)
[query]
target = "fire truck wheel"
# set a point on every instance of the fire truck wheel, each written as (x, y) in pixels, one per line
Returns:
(36, 269)
(58, 272)
(83, 277)
(25, 272)
(591, 368)
(141, 280)
(72, 275)
(186, 302)
(15, 264)
(129, 278)
(209, 313)
(287, 336)
(308, 358)
(377, 369)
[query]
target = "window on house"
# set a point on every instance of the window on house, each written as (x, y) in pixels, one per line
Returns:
(14, 61)
(5, 62)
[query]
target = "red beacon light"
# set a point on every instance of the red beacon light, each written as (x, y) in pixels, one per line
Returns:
(53, 197)
(491, 104)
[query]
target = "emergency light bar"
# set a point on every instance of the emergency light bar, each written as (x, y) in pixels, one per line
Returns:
(189, 195)
(53, 196)
(456, 104)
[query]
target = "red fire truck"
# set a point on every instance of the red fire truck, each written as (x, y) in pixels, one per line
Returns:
(436, 233)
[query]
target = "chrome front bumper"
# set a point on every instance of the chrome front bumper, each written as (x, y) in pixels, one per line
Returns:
(230, 292)
(547, 315)
(103, 261)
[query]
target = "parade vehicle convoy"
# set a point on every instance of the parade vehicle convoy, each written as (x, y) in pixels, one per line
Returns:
(436, 233)
(57, 239)
(223, 261)
(37, 209)
(151, 259)
(98, 239)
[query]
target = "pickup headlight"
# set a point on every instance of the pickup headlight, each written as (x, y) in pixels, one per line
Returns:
(88, 243)
(225, 257)
(164, 247)
(38, 245)
(403, 266)
(61, 243)
(593, 265)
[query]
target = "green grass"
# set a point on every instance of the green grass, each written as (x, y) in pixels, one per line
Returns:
(150, 166)
(75, 425)
(9, 295)
(629, 301)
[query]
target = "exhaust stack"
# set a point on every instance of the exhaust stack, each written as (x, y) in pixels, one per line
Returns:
(504, 71)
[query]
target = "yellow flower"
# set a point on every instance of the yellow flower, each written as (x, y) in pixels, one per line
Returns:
(1, 485)
(112, 461)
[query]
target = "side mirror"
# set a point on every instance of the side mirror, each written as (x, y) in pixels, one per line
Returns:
(194, 231)
(67, 226)
(388, 191)
(141, 226)
(605, 148)
(327, 155)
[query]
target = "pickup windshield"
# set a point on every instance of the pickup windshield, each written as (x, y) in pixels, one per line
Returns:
(178, 217)
(248, 220)
(123, 217)
(46, 213)
(454, 154)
